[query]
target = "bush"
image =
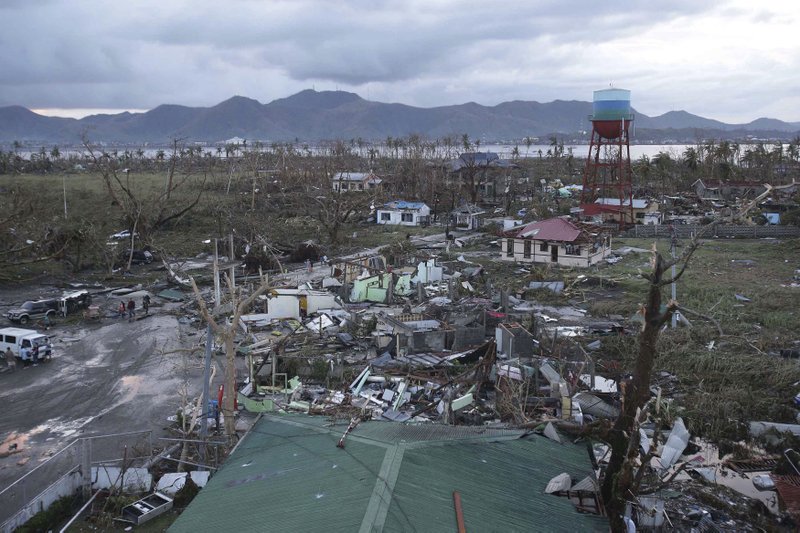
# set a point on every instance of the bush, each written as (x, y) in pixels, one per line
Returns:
(53, 516)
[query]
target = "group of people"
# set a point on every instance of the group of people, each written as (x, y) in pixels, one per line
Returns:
(130, 309)
(11, 359)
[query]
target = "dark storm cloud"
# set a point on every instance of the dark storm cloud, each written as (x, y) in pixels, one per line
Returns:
(356, 43)
(138, 54)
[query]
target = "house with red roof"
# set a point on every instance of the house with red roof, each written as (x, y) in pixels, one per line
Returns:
(557, 241)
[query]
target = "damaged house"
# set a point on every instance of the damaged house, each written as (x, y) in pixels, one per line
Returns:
(468, 216)
(281, 304)
(608, 210)
(557, 241)
(380, 288)
(414, 332)
(727, 190)
(355, 181)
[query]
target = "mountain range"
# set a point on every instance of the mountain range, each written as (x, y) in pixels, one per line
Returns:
(311, 116)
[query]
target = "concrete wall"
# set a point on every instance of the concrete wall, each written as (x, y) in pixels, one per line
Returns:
(375, 288)
(429, 341)
(64, 486)
(317, 301)
(468, 336)
(278, 307)
(514, 342)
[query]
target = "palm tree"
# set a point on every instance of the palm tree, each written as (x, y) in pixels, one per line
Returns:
(691, 158)
(528, 143)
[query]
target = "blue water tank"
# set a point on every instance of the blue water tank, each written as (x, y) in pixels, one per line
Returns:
(611, 104)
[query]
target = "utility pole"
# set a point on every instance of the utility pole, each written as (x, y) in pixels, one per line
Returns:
(673, 246)
(207, 367)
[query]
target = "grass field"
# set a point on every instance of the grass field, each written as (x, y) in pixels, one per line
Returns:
(739, 378)
(218, 213)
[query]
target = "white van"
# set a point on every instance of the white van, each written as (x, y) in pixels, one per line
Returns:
(21, 341)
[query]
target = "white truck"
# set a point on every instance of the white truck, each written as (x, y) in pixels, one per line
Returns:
(22, 342)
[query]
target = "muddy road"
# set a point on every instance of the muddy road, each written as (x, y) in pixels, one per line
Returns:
(110, 377)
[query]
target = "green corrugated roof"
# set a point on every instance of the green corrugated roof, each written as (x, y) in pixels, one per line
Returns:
(288, 475)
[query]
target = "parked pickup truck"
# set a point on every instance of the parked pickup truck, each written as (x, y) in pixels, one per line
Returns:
(22, 341)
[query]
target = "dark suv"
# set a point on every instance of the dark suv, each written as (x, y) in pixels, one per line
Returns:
(33, 310)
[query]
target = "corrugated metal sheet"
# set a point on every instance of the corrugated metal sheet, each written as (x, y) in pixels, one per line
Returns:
(402, 204)
(592, 405)
(501, 486)
(554, 229)
(587, 484)
(676, 442)
(561, 482)
(788, 488)
(288, 475)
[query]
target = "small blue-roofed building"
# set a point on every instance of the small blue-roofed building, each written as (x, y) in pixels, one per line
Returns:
(402, 213)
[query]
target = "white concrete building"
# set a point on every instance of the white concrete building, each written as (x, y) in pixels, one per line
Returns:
(355, 181)
(402, 213)
(557, 241)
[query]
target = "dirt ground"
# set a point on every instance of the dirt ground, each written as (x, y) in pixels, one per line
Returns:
(108, 377)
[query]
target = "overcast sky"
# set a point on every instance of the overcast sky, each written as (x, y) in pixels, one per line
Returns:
(731, 60)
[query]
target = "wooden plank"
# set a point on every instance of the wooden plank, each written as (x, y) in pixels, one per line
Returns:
(459, 513)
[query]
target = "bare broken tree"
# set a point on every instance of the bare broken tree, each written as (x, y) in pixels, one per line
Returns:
(621, 480)
(227, 331)
(148, 210)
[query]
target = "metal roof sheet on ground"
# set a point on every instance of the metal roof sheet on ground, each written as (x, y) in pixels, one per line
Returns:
(287, 474)
(423, 359)
(592, 405)
(788, 488)
(172, 295)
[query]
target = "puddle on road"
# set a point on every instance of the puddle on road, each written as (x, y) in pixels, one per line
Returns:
(95, 354)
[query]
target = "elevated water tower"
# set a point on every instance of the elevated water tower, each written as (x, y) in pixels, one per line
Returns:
(608, 166)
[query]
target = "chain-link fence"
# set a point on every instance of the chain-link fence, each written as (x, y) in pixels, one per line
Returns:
(68, 470)
(684, 231)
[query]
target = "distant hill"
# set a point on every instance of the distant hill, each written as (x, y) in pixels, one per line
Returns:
(312, 116)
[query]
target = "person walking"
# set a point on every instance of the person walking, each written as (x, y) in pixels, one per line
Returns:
(146, 304)
(121, 310)
(131, 309)
(11, 361)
